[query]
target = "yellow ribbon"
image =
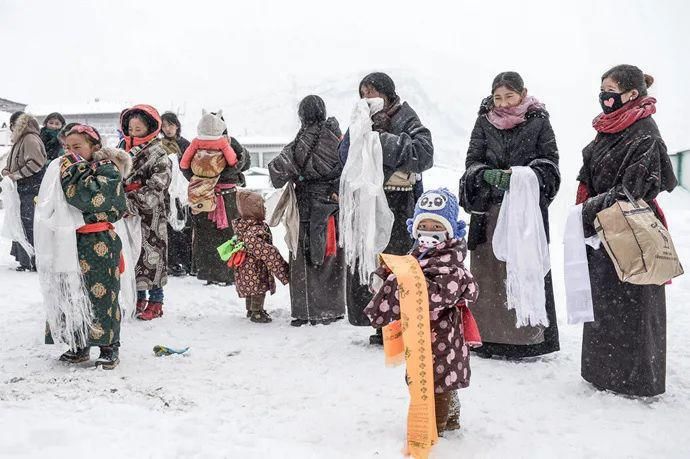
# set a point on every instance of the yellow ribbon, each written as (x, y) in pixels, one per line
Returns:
(410, 338)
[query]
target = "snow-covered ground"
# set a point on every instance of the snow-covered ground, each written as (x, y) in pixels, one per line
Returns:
(257, 391)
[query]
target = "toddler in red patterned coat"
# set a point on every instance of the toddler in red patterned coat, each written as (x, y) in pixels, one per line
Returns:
(262, 261)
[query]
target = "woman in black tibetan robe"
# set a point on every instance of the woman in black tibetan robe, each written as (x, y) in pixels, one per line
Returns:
(311, 163)
(624, 349)
(407, 152)
(512, 129)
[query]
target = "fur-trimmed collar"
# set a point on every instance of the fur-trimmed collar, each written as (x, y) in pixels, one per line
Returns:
(121, 159)
(25, 124)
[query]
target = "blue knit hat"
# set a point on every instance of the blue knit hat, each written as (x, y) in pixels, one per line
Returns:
(442, 206)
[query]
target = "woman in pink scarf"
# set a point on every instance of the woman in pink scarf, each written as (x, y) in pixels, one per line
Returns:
(512, 130)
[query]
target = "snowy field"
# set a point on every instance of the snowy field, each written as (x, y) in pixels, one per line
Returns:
(257, 391)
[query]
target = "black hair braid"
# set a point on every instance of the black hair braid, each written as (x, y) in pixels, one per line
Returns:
(312, 146)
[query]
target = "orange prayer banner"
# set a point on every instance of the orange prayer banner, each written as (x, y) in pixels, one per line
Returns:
(411, 337)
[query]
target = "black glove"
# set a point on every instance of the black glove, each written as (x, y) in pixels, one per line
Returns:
(381, 122)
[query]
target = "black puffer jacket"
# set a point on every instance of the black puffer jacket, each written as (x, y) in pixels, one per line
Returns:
(531, 143)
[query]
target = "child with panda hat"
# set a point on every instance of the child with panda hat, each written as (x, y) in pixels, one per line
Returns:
(440, 249)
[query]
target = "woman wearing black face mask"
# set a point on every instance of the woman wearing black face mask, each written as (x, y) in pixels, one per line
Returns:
(624, 349)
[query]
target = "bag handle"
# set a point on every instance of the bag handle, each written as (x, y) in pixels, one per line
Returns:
(630, 197)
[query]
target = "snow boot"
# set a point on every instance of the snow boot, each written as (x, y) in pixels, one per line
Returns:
(442, 404)
(453, 422)
(248, 305)
(298, 322)
(177, 271)
(377, 338)
(325, 321)
(153, 311)
(141, 307)
(81, 355)
(109, 357)
(260, 317)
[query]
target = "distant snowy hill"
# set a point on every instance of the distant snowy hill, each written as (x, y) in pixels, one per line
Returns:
(274, 113)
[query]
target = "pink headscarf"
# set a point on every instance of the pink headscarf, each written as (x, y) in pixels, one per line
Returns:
(508, 118)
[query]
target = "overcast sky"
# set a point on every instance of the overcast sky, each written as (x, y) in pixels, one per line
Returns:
(215, 52)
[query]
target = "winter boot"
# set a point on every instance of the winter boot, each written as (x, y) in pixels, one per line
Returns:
(141, 307)
(377, 338)
(442, 405)
(109, 357)
(298, 322)
(248, 305)
(177, 271)
(153, 311)
(453, 422)
(260, 317)
(81, 355)
(325, 321)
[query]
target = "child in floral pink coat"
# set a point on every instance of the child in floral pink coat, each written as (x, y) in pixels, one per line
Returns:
(254, 276)
(441, 250)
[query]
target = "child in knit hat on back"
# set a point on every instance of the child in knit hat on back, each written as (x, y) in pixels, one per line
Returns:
(440, 249)
(208, 154)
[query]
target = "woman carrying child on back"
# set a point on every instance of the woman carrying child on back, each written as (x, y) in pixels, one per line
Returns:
(214, 165)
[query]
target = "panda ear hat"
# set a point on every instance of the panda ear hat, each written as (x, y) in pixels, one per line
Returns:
(439, 205)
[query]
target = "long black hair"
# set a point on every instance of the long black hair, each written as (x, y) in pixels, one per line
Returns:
(171, 118)
(312, 110)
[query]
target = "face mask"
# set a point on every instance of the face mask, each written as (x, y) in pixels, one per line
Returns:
(430, 239)
(610, 101)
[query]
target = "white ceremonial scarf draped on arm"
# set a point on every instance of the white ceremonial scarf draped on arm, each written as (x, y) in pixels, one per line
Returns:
(12, 227)
(129, 230)
(578, 288)
(365, 220)
(68, 307)
(520, 241)
(178, 191)
(281, 206)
